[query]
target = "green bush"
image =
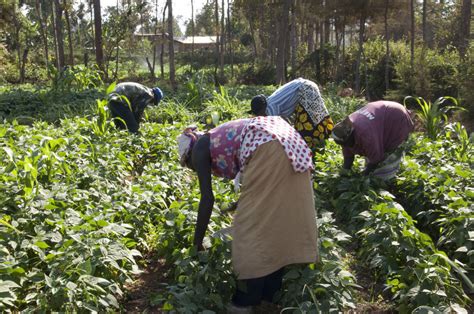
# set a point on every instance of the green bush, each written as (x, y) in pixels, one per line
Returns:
(76, 78)
(205, 58)
(435, 74)
(340, 107)
(260, 73)
(8, 67)
(375, 53)
(319, 66)
(466, 80)
(372, 71)
(25, 104)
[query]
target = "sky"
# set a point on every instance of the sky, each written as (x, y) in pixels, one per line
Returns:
(181, 8)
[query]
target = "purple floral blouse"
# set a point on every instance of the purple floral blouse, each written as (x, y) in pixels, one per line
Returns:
(233, 143)
(225, 148)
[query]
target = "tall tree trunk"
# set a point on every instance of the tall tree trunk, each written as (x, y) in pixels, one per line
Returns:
(327, 23)
(69, 36)
(351, 35)
(162, 50)
(465, 25)
(55, 41)
(337, 35)
(322, 51)
(316, 34)
(321, 36)
(254, 42)
(424, 89)
(343, 62)
(293, 37)
(282, 40)
(58, 30)
(216, 20)
(265, 24)
(327, 30)
(91, 10)
(272, 24)
(310, 37)
(320, 39)
(82, 38)
(17, 25)
(23, 64)
(229, 37)
(360, 52)
(44, 36)
(99, 53)
(423, 23)
(327, 40)
(155, 39)
(412, 34)
(171, 45)
(79, 33)
(192, 34)
(387, 47)
(222, 47)
(298, 31)
(117, 49)
(84, 44)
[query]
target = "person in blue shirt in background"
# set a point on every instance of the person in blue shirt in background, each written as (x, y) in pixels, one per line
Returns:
(302, 98)
(127, 116)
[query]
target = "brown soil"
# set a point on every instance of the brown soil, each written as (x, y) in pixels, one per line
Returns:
(147, 284)
(371, 298)
(267, 308)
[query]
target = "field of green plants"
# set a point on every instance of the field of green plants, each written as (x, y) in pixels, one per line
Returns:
(84, 209)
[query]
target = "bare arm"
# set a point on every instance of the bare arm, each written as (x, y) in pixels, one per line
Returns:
(201, 161)
(348, 161)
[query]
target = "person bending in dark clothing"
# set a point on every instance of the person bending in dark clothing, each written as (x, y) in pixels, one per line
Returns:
(128, 101)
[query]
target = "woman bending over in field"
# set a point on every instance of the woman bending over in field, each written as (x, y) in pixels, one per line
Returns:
(301, 98)
(275, 221)
(376, 131)
(128, 101)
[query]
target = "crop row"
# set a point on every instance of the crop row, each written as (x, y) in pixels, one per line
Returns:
(399, 249)
(81, 203)
(79, 207)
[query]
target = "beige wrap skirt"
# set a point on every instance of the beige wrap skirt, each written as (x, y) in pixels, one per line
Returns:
(275, 221)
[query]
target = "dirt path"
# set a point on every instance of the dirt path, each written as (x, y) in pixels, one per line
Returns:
(147, 285)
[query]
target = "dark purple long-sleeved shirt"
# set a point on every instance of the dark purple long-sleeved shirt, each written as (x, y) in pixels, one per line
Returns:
(379, 127)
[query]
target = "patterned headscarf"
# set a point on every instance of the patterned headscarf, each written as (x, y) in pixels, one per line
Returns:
(186, 142)
(342, 131)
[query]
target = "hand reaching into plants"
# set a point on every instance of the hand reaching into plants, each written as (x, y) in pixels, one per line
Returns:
(369, 168)
(231, 208)
(203, 246)
(343, 172)
(200, 248)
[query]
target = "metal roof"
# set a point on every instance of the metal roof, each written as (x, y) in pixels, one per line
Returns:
(185, 40)
(199, 40)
